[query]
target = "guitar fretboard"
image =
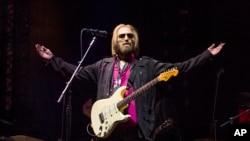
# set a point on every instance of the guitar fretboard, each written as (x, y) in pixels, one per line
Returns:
(136, 93)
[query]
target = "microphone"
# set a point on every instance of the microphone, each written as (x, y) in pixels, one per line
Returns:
(96, 32)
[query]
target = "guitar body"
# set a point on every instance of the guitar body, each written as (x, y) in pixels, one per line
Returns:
(105, 114)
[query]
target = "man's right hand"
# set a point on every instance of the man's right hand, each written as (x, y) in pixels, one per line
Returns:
(44, 52)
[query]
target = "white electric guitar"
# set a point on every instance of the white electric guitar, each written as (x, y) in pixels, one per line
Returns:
(106, 114)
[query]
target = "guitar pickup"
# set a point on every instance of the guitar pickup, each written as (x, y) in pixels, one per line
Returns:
(101, 117)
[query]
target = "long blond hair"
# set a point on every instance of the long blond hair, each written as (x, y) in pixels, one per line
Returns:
(114, 44)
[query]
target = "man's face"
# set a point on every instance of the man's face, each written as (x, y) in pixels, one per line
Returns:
(125, 41)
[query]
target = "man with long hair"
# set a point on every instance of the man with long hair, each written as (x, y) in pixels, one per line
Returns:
(124, 74)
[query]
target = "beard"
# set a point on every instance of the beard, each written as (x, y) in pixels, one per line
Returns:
(125, 50)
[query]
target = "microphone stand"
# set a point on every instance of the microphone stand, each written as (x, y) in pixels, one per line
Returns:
(231, 119)
(68, 99)
(213, 124)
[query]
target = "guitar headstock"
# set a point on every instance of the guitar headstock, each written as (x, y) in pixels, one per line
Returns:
(165, 76)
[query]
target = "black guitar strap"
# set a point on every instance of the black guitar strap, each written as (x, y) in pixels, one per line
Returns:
(133, 71)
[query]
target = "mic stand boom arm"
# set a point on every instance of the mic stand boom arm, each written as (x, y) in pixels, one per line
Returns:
(76, 70)
(68, 84)
(231, 119)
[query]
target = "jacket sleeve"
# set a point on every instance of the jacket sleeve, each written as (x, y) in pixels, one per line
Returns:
(157, 67)
(194, 62)
(86, 73)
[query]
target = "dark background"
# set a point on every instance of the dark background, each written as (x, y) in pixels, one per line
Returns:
(170, 31)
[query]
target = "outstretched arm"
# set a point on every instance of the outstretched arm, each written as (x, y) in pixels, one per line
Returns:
(44, 52)
(214, 50)
(200, 59)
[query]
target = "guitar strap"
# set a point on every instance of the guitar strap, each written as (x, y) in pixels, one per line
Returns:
(133, 71)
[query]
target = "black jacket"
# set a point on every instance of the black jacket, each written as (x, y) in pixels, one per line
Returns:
(142, 71)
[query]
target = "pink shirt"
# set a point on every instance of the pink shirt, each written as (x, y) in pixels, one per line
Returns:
(120, 78)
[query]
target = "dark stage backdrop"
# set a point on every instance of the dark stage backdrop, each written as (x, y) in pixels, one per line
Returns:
(170, 31)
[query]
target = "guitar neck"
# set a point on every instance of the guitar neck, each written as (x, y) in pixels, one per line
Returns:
(136, 93)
